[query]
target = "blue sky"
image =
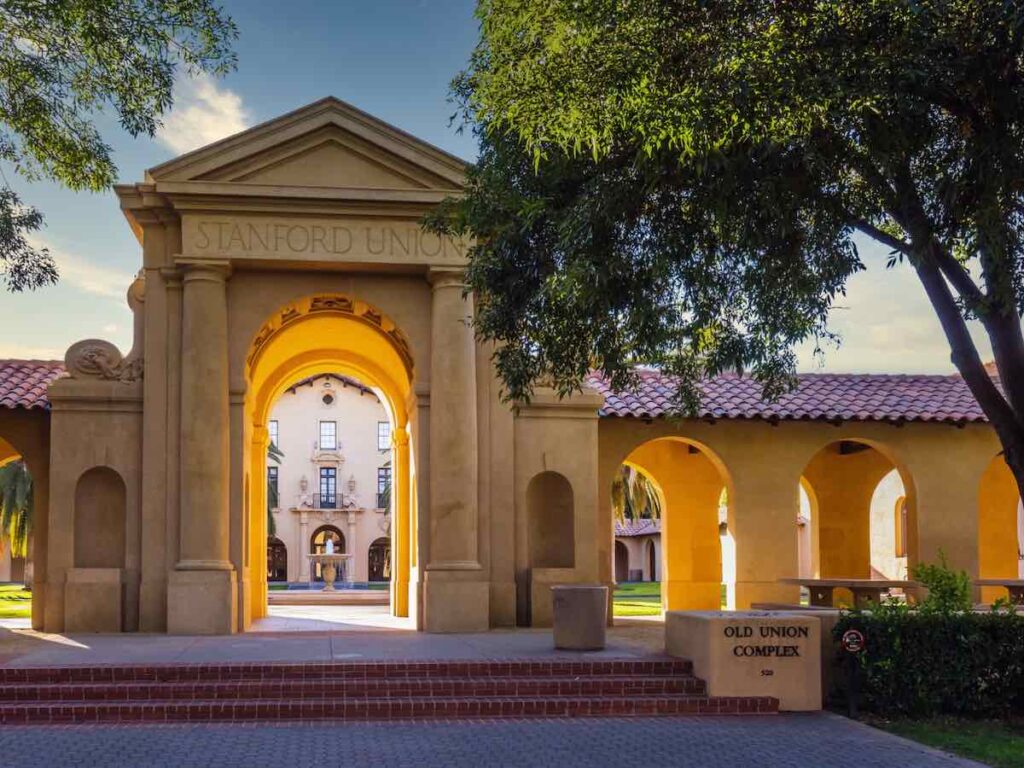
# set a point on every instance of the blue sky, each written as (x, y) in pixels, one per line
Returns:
(393, 59)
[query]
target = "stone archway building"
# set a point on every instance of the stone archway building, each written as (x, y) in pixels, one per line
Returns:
(294, 249)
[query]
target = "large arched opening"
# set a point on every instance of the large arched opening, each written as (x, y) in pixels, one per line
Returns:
(1000, 528)
(332, 335)
(858, 515)
(691, 485)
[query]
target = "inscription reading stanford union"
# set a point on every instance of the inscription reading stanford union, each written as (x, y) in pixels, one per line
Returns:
(374, 241)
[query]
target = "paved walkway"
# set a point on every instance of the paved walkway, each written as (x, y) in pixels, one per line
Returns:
(23, 647)
(790, 741)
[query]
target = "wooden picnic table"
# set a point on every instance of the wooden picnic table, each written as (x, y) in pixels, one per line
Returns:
(1014, 586)
(865, 591)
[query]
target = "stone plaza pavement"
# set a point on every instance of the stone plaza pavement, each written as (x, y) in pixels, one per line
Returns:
(789, 741)
(319, 633)
(783, 741)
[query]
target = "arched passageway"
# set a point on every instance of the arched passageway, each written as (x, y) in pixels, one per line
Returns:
(689, 480)
(860, 514)
(335, 335)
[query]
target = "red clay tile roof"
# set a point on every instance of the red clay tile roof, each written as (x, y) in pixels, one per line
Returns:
(23, 383)
(638, 528)
(820, 396)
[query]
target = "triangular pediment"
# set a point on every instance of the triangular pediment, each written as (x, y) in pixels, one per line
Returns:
(328, 144)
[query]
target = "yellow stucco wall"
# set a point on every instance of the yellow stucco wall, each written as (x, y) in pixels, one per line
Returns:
(690, 487)
(941, 466)
(998, 498)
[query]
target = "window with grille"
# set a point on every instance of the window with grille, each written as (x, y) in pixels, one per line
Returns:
(383, 487)
(328, 435)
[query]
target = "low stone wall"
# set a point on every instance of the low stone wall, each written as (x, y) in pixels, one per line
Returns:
(752, 653)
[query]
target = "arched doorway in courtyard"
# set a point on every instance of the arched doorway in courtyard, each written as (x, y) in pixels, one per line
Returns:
(621, 570)
(347, 343)
(651, 571)
(325, 539)
(277, 560)
(378, 560)
(857, 515)
(690, 483)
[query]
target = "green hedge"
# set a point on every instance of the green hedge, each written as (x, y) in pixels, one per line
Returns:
(926, 664)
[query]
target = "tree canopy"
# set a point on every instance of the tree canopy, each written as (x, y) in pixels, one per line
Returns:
(679, 183)
(62, 62)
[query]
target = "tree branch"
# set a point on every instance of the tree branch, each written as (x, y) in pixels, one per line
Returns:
(964, 354)
(883, 237)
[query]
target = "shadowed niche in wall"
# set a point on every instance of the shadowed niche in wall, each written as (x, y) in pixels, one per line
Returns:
(100, 511)
(550, 511)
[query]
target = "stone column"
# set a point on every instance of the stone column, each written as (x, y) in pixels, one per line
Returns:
(456, 592)
(305, 569)
(764, 503)
(201, 594)
(255, 520)
(400, 523)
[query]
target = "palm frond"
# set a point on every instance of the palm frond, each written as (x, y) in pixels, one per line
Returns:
(634, 496)
(16, 507)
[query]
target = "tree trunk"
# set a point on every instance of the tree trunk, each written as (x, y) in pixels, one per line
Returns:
(964, 355)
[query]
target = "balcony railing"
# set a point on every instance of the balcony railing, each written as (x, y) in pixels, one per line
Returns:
(327, 501)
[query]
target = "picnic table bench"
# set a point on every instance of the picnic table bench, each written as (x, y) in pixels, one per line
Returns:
(864, 591)
(1014, 586)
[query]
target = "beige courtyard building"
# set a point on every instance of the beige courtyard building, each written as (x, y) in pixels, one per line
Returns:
(293, 251)
(332, 480)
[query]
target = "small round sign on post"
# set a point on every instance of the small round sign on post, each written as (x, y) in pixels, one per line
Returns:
(853, 641)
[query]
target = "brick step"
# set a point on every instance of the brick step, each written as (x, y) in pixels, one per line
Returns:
(364, 688)
(382, 709)
(345, 670)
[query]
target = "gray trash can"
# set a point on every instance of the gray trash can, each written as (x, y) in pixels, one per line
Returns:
(580, 616)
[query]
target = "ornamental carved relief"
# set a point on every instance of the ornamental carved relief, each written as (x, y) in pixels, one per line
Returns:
(99, 359)
(335, 304)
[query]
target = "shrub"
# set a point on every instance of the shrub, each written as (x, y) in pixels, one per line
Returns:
(949, 591)
(939, 657)
(929, 663)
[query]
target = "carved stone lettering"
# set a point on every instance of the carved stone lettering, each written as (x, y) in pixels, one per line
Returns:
(402, 242)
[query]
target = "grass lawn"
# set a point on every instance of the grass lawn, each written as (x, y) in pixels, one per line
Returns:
(637, 598)
(640, 598)
(15, 602)
(996, 743)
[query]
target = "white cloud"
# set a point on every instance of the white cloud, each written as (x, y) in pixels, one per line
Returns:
(886, 324)
(111, 328)
(203, 113)
(84, 275)
(13, 351)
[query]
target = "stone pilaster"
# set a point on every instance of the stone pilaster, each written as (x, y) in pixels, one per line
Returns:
(201, 593)
(456, 591)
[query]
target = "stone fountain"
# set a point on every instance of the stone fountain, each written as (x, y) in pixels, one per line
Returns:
(330, 561)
